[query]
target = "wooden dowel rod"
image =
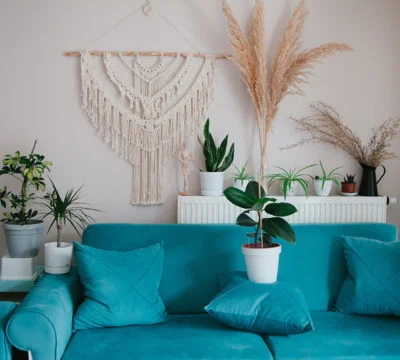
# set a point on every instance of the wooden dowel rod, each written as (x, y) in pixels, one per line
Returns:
(146, 53)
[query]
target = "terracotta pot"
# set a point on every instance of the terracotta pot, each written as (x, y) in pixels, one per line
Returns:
(348, 187)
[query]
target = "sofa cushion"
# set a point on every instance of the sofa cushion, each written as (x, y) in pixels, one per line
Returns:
(278, 309)
(372, 286)
(341, 336)
(182, 337)
(120, 287)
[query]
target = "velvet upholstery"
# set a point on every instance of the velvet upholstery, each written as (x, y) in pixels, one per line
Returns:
(194, 257)
(197, 254)
(6, 309)
(120, 287)
(43, 320)
(183, 337)
(341, 336)
(274, 309)
(372, 286)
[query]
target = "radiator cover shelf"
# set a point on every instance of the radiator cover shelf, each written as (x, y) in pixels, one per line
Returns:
(314, 209)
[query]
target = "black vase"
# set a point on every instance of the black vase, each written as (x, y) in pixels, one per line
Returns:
(369, 184)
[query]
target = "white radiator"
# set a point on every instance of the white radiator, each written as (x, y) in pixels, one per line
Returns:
(314, 209)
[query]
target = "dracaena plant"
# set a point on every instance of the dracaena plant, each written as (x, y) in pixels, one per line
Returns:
(269, 224)
(216, 159)
(28, 170)
(66, 209)
(328, 176)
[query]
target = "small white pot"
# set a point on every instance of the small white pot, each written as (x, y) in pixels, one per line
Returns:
(57, 260)
(319, 191)
(262, 264)
(292, 190)
(240, 184)
(212, 183)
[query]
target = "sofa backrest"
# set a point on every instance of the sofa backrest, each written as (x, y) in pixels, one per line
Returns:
(195, 255)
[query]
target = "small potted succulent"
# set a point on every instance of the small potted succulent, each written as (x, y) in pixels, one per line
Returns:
(241, 178)
(290, 179)
(261, 253)
(348, 184)
(62, 211)
(216, 162)
(22, 230)
(323, 183)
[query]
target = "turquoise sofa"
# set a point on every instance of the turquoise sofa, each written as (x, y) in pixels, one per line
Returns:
(6, 308)
(194, 257)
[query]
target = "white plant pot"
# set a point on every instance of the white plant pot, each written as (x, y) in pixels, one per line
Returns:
(240, 184)
(57, 260)
(262, 264)
(292, 191)
(319, 191)
(212, 183)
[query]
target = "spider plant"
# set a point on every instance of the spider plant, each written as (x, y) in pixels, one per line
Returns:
(241, 174)
(290, 177)
(67, 209)
(328, 176)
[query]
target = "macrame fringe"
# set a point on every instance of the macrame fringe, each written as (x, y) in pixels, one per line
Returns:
(146, 142)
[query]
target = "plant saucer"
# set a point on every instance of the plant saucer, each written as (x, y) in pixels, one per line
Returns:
(349, 194)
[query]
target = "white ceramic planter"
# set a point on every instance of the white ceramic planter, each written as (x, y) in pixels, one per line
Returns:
(292, 191)
(57, 260)
(240, 184)
(262, 264)
(319, 191)
(212, 183)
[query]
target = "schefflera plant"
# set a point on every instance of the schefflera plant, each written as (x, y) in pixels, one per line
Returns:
(270, 224)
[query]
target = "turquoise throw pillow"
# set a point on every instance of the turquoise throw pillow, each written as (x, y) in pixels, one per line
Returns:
(272, 309)
(372, 285)
(120, 287)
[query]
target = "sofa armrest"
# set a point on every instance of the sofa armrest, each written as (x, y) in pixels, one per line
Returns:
(43, 321)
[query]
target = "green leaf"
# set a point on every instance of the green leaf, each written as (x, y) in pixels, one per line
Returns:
(239, 198)
(277, 227)
(280, 209)
(228, 159)
(222, 150)
(245, 220)
(252, 189)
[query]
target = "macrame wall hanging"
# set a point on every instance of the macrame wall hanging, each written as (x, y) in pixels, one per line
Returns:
(146, 113)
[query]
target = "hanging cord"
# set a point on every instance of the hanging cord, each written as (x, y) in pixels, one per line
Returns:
(148, 10)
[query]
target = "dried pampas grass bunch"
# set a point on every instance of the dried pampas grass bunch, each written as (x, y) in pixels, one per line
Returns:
(324, 125)
(267, 83)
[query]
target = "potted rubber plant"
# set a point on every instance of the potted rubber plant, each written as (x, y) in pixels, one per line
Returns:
(63, 210)
(290, 179)
(241, 177)
(323, 183)
(348, 185)
(261, 253)
(216, 162)
(23, 232)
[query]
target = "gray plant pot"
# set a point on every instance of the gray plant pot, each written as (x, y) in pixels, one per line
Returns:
(23, 241)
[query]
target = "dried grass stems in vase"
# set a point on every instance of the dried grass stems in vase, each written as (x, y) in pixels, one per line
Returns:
(324, 125)
(269, 83)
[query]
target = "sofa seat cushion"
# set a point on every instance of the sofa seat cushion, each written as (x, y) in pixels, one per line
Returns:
(341, 336)
(182, 337)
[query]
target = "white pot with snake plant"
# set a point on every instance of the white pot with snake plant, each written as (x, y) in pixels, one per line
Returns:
(216, 163)
(67, 210)
(261, 254)
(290, 180)
(323, 184)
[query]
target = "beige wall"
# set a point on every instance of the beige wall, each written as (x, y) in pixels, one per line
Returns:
(39, 88)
